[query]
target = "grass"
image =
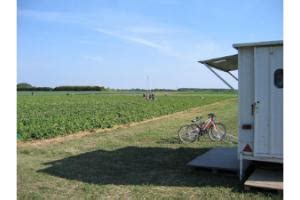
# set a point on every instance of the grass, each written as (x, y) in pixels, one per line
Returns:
(144, 161)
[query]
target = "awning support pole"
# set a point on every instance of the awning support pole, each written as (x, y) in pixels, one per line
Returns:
(208, 67)
(233, 76)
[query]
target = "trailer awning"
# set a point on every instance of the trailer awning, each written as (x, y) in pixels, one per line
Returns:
(226, 63)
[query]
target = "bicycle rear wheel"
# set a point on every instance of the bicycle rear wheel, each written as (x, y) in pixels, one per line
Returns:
(218, 133)
(188, 133)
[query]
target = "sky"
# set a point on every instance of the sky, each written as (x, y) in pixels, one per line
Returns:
(136, 44)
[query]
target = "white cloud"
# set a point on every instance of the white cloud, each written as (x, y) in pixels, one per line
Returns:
(181, 49)
(147, 29)
(43, 15)
(138, 40)
(131, 34)
(53, 16)
(164, 39)
(131, 38)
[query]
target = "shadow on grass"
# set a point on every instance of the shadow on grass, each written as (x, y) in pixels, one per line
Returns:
(142, 166)
(138, 166)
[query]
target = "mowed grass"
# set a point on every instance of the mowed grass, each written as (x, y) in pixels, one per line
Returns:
(144, 161)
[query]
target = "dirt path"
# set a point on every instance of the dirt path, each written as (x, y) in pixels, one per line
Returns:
(77, 135)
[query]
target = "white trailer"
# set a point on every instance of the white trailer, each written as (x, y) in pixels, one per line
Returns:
(260, 77)
(260, 70)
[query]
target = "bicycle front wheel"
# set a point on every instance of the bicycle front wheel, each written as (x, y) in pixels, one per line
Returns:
(188, 133)
(218, 132)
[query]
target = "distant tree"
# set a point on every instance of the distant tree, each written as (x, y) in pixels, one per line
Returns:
(24, 85)
(79, 88)
(35, 89)
(28, 87)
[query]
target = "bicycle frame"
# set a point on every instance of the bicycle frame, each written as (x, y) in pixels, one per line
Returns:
(210, 122)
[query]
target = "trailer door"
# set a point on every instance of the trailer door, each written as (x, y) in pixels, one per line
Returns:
(268, 122)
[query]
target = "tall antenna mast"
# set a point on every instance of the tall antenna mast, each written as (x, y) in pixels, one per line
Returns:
(148, 84)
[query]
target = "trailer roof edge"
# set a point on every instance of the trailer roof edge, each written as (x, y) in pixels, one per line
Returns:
(254, 44)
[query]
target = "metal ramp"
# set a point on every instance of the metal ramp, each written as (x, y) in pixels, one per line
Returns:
(220, 158)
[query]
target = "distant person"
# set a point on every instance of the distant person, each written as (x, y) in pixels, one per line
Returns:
(153, 97)
(32, 93)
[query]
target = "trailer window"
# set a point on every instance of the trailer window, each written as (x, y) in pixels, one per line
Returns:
(278, 78)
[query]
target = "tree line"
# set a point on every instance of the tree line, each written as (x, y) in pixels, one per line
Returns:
(204, 90)
(29, 87)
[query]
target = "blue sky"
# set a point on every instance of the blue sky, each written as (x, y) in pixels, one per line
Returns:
(118, 43)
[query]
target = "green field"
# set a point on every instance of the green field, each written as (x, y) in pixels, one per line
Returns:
(48, 114)
(144, 161)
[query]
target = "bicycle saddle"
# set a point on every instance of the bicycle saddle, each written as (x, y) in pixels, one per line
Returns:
(211, 115)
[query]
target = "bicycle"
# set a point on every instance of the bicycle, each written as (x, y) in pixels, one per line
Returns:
(190, 132)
